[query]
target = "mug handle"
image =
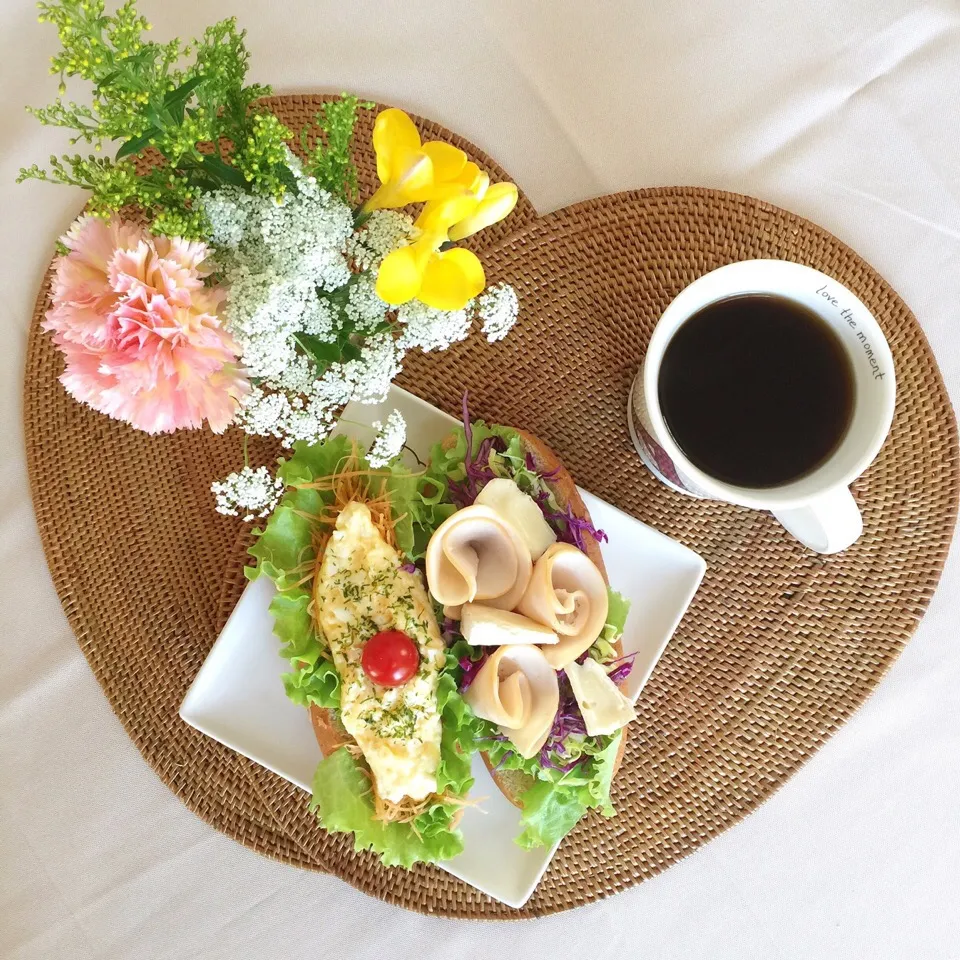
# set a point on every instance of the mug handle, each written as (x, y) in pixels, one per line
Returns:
(827, 524)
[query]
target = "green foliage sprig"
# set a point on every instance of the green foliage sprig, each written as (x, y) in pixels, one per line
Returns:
(148, 95)
(330, 160)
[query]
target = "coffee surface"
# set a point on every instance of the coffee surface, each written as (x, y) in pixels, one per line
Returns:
(757, 390)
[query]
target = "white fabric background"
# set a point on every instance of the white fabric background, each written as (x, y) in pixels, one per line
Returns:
(845, 112)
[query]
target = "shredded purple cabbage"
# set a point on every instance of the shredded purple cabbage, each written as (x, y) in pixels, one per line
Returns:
(476, 468)
(568, 722)
(408, 567)
(478, 471)
(470, 669)
(568, 527)
(532, 467)
(621, 667)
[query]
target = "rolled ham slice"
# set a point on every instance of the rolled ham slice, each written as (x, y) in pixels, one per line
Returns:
(518, 690)
(477, 556)
(568, 594)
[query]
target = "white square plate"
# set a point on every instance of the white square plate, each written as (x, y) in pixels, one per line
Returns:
(238, 697)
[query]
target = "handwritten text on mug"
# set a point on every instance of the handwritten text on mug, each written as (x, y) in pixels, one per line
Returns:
(847, 315)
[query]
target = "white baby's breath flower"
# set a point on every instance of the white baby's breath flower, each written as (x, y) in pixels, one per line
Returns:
(431, 329)
(498, 308)
(253, 492)
(364, 308)
(391, 436)
(371, 374)
(227, 215)
(384, 232)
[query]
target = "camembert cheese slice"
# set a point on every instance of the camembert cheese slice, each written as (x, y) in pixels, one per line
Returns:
(485, 626)
(604, 707)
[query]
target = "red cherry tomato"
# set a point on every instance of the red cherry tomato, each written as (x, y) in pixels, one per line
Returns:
(390, 658)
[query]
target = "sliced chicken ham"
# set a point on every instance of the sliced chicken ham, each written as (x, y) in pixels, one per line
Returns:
(518, 690)
(476, 555)
(568, 594)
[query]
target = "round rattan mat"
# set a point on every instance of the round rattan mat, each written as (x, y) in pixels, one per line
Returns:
(779, 647)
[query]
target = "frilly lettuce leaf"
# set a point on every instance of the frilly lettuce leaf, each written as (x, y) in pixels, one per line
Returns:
(617, 612)
(552, 810)
(314, 678)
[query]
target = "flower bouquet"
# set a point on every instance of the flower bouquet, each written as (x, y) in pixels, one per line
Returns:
(217, 278)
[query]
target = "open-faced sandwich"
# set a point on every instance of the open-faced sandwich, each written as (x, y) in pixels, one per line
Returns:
(430, 614)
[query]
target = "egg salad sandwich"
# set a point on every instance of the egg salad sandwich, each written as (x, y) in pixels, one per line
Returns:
(367, 656)
(516, 565)
(430, 614)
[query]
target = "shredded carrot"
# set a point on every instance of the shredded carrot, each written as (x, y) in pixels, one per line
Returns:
(407, 810)
(348, 484)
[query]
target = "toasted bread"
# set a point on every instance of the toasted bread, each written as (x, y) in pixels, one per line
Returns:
(328, 729)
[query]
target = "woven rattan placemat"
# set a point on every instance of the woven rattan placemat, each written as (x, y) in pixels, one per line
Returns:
(779, 647)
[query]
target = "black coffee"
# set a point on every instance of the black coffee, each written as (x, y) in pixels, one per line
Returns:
(757, 390)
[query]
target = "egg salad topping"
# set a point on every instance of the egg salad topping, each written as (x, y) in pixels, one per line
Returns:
(360, 590)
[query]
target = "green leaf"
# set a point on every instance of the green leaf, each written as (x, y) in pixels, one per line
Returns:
(284, 549)
(222, 171)
(322, 352)
(160, 119)
(549, 814)
(461, 732)
(619, 607)
(136, 144)
(318, 685)
(182, 93)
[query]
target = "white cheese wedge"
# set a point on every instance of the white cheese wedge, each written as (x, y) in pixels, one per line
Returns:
(521, 510)
(605, 709)
(488, 627)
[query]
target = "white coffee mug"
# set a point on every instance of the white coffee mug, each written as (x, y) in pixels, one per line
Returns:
(817, 508)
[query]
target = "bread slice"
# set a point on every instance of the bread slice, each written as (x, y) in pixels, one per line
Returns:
(513, 783)
(327, 728)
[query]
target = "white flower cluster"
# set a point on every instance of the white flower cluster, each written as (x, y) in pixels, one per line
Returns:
(431, 329)
(292, 297)
(252, 492)
(391, 436)
(498, 307)
(384, 231)
(301, 282)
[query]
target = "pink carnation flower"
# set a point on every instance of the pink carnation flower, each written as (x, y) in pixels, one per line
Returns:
(139, 329)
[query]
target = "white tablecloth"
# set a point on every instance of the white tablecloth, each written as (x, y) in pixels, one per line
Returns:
(845, 112)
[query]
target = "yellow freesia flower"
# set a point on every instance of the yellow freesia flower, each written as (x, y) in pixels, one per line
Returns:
(442, 279)
(458, 201)
(497, 203)
(409, 171)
